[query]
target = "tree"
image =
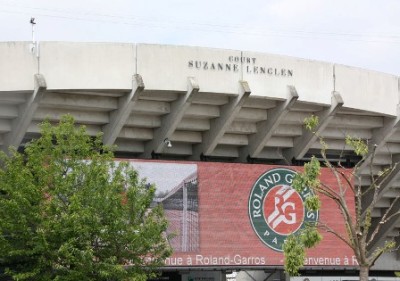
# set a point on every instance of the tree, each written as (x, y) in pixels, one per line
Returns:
(69, 212)
(361, 229)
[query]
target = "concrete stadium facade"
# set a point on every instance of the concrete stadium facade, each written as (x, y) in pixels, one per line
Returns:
(211, 104)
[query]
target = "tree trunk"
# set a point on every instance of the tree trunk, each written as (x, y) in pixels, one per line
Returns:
(364, 272)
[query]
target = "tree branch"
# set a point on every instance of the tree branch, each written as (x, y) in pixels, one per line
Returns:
(341, 202)
(328, 229)
(385, 218)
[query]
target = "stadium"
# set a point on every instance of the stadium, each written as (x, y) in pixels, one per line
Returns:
(209, 123)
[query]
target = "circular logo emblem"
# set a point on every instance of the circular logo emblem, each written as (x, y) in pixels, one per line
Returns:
(276, 210)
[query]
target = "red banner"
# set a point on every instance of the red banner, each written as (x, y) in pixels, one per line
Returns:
(227, 214)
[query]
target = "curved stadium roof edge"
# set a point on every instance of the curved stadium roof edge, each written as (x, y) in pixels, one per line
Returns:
(102, 66)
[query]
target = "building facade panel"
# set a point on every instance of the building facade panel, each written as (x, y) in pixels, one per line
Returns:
(18, 64)
(67, 65)
(269, 75)
(168, 67)
(367, 90)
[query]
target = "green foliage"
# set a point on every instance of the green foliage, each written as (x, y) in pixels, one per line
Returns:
(295, 246)
(367, 220)
(313, 170)
(69, 212)
(310, 176)
(359, 146)
(384, 172)
(294, 253)
(313, 203)
(389, 245)
(311, 122)
(310, 236)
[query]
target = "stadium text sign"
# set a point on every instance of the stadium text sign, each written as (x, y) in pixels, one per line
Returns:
(236, 63)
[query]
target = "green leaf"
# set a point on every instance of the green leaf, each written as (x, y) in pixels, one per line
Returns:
(360, 147)
(311, 122)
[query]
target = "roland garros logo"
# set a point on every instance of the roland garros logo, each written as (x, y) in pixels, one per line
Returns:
(276, 210)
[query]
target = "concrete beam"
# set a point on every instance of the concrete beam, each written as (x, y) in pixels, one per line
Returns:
(247, 114)
(351, 121)
(190, 124)
(119, 116)
(280, 142)
(186, 136)
(26, 111)
(143, 121)
(380, 136)
(5, 126)
(342, 133)
(203, 111)
(136, 133)
(302, 144)
(219, 125)
(151, 107)
(266, 129)
(233, 139)
(242, 128)
(385, 183)
(81, 117)
(170, 122)
(386, 228)
(8, 111)
(76, 101)
(224, 151)
(391, 177)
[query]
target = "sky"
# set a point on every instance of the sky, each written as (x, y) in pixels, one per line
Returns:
(360, 33)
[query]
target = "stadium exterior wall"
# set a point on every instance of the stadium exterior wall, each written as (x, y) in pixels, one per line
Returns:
(111, 66)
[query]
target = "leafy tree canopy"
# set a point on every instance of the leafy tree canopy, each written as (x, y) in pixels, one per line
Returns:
(69, 212)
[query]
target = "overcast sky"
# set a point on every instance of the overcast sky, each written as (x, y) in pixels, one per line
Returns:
(362, 33)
